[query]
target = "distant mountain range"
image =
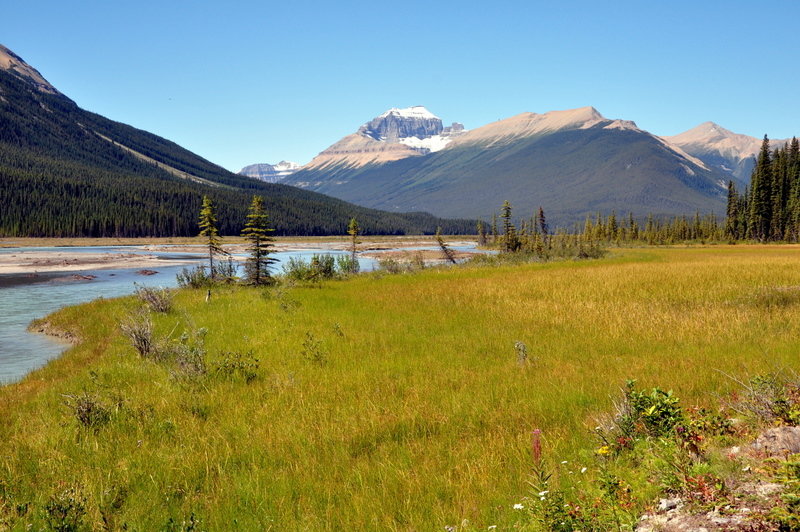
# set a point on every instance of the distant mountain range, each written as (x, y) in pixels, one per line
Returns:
(731, 153)
(572, 163)
(67, 172)
(269, 172)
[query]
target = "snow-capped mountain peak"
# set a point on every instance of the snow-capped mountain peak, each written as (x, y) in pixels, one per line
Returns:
(417, 111)
(415, 127)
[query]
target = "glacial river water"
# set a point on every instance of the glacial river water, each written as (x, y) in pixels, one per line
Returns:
(24, 298)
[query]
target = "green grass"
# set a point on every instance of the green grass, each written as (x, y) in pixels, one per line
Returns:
(383, 402)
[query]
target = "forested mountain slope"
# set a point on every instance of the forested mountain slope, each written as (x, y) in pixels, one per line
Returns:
(65, 171)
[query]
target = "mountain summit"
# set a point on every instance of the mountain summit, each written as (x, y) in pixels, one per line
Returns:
(394, 135)
(725, 150)
(12, 63)
(271, 173)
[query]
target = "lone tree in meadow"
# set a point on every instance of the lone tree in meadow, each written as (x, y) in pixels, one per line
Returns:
(353, 231)
(258, 233)
(208, 229)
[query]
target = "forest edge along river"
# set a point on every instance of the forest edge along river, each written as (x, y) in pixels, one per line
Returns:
(36, 281)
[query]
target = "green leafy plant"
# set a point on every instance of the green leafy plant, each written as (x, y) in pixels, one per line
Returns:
(65, 511)
(313, 352)
(237, 365)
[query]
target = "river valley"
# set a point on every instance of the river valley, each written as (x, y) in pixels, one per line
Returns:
(39, 291)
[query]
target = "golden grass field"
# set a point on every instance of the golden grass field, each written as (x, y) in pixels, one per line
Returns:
(382, 402)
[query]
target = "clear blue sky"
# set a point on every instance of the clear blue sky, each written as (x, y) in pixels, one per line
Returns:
(242, 82)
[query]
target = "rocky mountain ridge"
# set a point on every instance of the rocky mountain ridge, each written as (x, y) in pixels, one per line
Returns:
(12, 63)
(394, 135)
(730, 152)
(269, 172)
(572, 162)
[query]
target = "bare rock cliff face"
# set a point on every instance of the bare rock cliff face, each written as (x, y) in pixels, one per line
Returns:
(398, 124)
(396, 134)
(268, 172)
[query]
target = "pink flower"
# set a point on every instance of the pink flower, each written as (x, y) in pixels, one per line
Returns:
(537, 447)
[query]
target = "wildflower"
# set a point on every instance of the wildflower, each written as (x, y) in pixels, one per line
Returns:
(518, 506)
(564, 462)
(604, 450)
(583, 470)
(492, 527)
(537, 448)
(543, 493)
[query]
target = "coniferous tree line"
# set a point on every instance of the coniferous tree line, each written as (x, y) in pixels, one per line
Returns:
(534, 235)
(769, 209)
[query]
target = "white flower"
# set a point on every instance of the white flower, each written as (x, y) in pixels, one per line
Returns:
(518, 506)
(543, 493)
(492, 527)
(564, 462)
(583, 470)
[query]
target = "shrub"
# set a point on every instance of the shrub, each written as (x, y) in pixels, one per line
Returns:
(88, 409)
(158, 299)
(233, 365)
(313, 352)
(64, 511)
(320, 267)
(770, 398)
(226, 271)
(194, 278)
(346, 265)
(138, 328)
(296, 269)
(188, 354)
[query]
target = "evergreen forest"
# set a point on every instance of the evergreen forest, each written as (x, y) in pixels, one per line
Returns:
(769, 209)
(67, 172)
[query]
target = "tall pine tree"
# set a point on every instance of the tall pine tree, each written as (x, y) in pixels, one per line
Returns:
(258, 233)
(760, 215)
(208, 229)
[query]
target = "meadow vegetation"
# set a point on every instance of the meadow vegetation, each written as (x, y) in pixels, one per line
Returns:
(463, 397)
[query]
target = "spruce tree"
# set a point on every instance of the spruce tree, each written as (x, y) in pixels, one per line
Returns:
(760, 215)
(509, 231)
(258, 233)
(793, 177)
(543, 227)
(353, 230)
(780, 194)
(208, 229)
(481, 233)
(732, 213)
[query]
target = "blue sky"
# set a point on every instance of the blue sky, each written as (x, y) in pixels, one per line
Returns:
(245, 82)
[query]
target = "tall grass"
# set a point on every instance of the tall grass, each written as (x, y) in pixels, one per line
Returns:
(420, 416)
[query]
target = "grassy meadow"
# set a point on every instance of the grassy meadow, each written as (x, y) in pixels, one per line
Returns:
(383, 402)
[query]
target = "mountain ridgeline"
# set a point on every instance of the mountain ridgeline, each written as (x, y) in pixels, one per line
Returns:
(571, 162)
(67, 172)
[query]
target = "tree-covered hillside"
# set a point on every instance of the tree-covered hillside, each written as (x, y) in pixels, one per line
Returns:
(68, 172)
